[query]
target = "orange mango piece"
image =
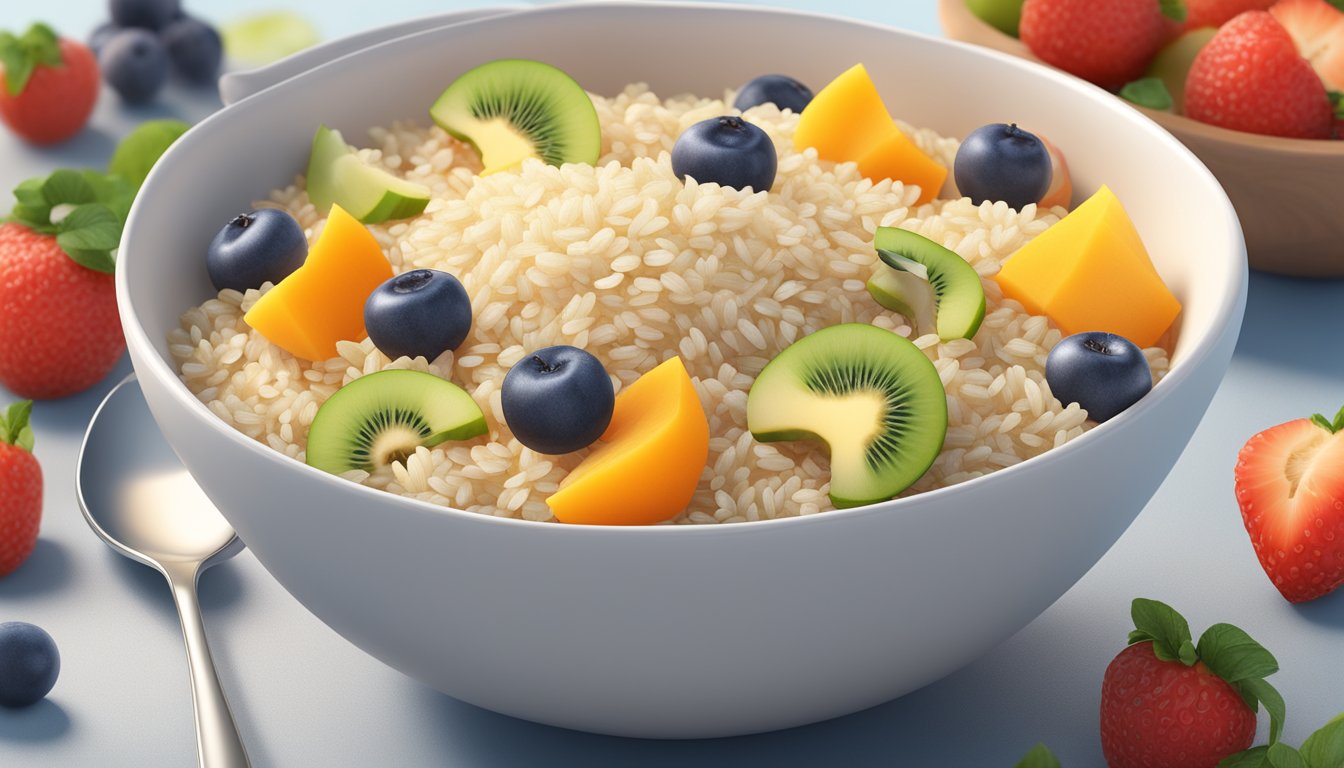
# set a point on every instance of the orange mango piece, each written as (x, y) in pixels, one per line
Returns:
(1091, 272)
(322, 302)
(847, 121)
(647, 464)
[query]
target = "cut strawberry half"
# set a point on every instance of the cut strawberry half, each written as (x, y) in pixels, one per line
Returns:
(1317, 28)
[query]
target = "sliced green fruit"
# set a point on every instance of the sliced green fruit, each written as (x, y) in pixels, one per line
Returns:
(267, 37)
(1003, 15)
(383, 417)
(905, 293)
(513, 109)
(136, 154)
(872, 396)
(958, 296)
(1172, 63)
(370, 194)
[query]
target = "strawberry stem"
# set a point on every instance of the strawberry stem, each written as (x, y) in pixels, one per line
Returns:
(21, 56)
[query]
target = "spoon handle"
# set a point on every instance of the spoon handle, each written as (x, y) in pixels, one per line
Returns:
(217, 740)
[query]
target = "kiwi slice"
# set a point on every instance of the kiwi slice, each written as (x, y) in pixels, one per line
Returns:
(905, 293)
(513, 109)
(383, 417)
(370, 194)
(958, 295)
(872, 396)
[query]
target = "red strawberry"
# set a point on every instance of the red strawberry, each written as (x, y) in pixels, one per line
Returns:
(59, 330)
(20, 488)
(1250, 77)
(1290, 485)
(1167, 703)
(1216, 13)
(1108, 42)
(49, 85)
(1317, 28)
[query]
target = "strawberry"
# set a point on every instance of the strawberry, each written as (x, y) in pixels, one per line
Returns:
(1168, 703)
(49, 87)
(1216, 13)
(1290, 485)
(1108, 42)
(1250, 77)
(1317, 28)
(20, 487)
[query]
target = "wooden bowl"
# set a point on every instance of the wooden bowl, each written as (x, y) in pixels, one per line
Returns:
(1289, 193)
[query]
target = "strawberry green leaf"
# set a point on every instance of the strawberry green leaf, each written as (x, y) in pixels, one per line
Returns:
(1168, 630)
(1039, 756)
(1148, 92)
(1322, 422)
(20, 56)
(1325, 747)
(1337, 98)
(67, 186)
(1233, 655)
(1255, 757)
(1173, 9)
(139, 151)
(89, 235)
(14, 429)
(1283, 756)
(1255, 690)
(29, 192)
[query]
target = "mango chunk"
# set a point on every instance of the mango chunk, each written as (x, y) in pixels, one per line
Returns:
(647, 464)
(1091, 272)
(847, 121)
(323, 301)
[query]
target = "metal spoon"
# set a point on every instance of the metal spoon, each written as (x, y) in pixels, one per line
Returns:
(138, 497)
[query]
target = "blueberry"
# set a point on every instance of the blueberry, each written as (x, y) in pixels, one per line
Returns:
(100, 35)
(421, 313)
(728, 151)
(781, 90)
(135, 64)
(1002, 162)
(29, 664)
(557, 400)
(254, 248)
(1102, 372)
(146, 14)
(195, 49)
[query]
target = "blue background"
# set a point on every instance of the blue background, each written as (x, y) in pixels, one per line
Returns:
(303, 696)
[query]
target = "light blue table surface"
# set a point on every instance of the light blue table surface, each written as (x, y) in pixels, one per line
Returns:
(305, 697)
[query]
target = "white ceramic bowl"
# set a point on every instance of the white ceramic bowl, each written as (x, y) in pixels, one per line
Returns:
(686, 631)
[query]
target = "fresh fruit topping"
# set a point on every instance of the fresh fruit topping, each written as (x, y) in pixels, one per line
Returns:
(958, 296)
(1091, 272)
(322, 302)
(29, 664)
(262, 246)
(20, 490)
(1251, 77)
(1172, 63)
(905, 293)
(1317, 28)
(1060, 193)
(1101, 372)
(1169, 703)
(147, 14)
(384, 417)
(1002, 162)
(267, 37)
(1216, 13)
(421, 313)
(781, 90)
(142, 148)
(513, 109)
(1290, 485)
(557, 400)
(135, 64)
(727, 151)
(1150, 92)
(1322, 749)
(49, 87)
(1003, 15)
(195, 49)
(1038, 756)
(370, 194)
(872, 396)
(648, 463)
(847, 122)
(1107, 42)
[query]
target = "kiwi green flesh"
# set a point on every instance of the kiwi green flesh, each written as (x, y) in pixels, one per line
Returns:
(958, 295)
(541, 103)
(872, 396)
(906, 294)
(370, 194)
(383, 417)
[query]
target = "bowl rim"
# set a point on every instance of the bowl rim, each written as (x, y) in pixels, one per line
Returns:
(1277, 145)
(1230, 304)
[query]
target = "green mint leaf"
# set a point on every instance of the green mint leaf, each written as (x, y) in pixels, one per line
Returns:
(67, 186)
(1255, 757)
(1148, 92)
(1173, 9)
(1283, 756)
(1039, 756)
(143, 147)
(1164, 625)
(1255, 690)
(14, 429)
(1325, 747)
(1233, 655)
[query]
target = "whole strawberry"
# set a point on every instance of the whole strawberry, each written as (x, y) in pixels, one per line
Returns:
(20, 487)
(1107, 42)
(1290, 485)
(50, 85)
(1251, 77)
(1168, 703)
